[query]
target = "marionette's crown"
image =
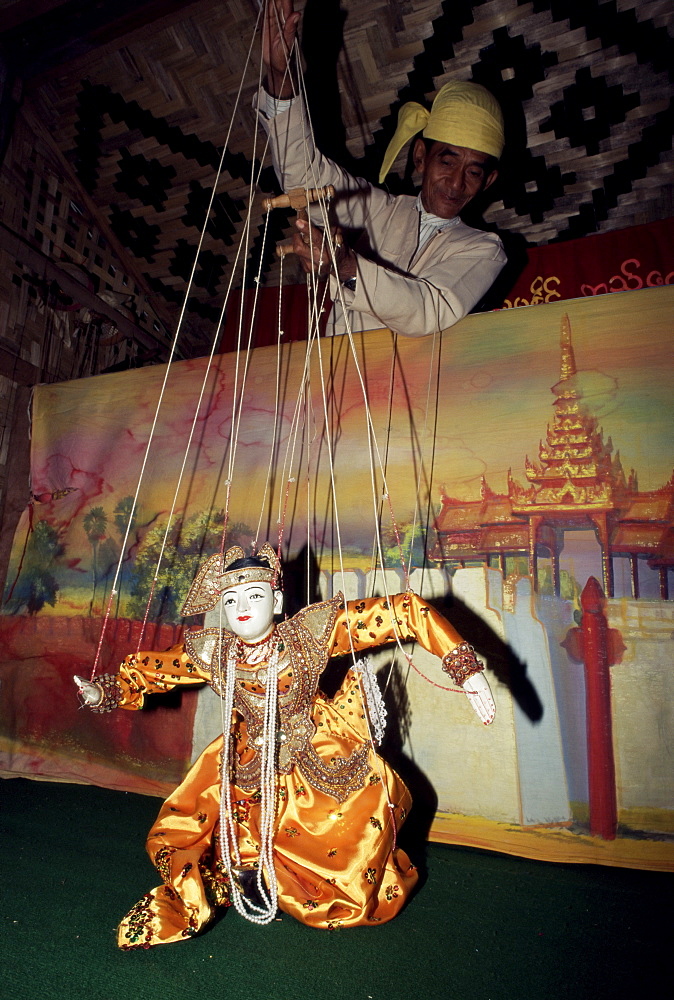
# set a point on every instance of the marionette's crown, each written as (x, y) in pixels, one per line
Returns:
(220, 573)
(256, 572)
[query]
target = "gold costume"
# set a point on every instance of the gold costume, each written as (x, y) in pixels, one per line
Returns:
(334, 848)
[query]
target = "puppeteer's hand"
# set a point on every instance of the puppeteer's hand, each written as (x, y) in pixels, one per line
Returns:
(91, 693)
(312, 249)
(480, 697)
(278, 38)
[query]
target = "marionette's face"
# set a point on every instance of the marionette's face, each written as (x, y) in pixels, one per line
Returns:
(249, 609)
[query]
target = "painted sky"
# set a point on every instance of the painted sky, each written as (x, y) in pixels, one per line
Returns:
(444, 410)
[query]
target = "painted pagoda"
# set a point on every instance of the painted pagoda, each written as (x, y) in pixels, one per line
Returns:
(578, 482)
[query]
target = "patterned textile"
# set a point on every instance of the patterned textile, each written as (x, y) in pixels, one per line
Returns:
(626, 260)
(585, 86)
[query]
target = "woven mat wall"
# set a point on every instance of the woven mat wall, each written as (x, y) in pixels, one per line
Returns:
(586, 89)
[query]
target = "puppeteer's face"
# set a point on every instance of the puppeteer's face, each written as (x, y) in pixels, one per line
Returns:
(249, 609)
(451, 176)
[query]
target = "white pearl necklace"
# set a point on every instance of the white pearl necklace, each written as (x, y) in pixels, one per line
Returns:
(229, 845)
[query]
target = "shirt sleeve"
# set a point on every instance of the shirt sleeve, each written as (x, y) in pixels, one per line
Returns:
(376, 621)
(146, 673)
(299, 163)
(273, 106)
(415, 305)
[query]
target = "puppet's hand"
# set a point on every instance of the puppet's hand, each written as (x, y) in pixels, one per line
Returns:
(91, 693)
(480, 697)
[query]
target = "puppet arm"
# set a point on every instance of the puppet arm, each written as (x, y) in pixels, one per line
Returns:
(378, 620)
(140, 674)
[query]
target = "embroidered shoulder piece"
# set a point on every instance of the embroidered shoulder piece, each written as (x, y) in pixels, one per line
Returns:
(200, 645)
(112, 693)
(461, 663)
(319, 619)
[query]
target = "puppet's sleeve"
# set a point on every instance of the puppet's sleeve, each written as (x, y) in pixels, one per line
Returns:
(376, 621)
(147, 673)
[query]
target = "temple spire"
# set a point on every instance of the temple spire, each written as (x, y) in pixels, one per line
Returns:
(575, 468)
(568, 365)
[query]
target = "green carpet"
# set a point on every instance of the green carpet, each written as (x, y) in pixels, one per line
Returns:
(483, 926)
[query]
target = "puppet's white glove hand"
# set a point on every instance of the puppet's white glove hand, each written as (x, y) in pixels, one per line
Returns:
(480, 697)
(91, 693)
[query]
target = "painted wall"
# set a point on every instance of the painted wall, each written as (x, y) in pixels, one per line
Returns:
(443, 413)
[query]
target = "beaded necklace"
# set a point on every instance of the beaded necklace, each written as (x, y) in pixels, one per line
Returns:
(229, 846)
(254, 652)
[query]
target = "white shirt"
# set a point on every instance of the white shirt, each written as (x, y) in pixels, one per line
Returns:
(431, 224)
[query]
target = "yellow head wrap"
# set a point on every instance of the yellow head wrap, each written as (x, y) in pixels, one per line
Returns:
(463, 114)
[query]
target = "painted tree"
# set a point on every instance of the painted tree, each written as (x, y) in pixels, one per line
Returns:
(108, 559)
(122, 518)
(95, 525)
(188, 544)
(37, 585)
(412, 547)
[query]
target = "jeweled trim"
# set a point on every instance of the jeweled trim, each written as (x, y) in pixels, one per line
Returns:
(111, 692)
(138, 920)
(461, 663)
(216, 884)
(162, 862)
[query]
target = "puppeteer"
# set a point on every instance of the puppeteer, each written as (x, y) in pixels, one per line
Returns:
(290, 808)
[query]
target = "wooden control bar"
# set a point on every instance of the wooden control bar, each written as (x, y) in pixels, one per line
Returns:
(299, 199)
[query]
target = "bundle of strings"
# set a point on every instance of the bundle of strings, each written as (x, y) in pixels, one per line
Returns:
(376, 713)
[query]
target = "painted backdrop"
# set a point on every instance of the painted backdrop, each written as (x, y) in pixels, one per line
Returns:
(459, 449)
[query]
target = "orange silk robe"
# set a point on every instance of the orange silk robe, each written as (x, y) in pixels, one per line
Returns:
(336, 861)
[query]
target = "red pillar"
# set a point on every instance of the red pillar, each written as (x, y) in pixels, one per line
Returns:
(600, 762)
(600, 520)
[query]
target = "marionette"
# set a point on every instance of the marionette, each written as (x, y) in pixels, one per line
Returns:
(290, 808)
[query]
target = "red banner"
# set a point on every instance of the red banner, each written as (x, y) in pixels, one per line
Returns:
(619, 261)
